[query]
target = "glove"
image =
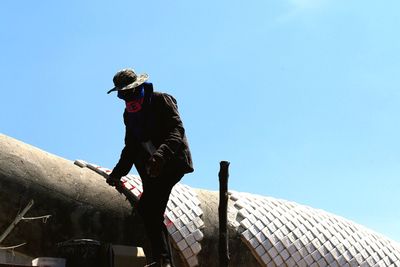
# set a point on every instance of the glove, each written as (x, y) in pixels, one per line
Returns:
(113, 180)
(154, 166)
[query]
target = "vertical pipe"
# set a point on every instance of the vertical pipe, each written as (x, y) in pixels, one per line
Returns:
(223, 214)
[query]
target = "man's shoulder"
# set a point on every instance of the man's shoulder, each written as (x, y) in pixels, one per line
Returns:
(161, 94)
(164, 97)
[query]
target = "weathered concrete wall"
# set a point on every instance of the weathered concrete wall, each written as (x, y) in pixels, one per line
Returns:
(263, 231)
(79, 201)
(81, 205)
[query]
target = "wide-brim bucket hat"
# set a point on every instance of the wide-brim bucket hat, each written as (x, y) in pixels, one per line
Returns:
(127, 79)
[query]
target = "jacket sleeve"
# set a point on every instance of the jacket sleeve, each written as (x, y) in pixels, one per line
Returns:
(174, 128)
(127, 157)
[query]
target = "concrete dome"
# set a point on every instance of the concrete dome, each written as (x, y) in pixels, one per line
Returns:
(263, 231)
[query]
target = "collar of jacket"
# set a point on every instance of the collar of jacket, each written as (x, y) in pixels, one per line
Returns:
(136, 105)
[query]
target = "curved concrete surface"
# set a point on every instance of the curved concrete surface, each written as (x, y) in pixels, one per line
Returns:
(263, 231)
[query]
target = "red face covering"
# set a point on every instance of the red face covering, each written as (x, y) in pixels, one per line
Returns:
(134, 105)
(133, 99)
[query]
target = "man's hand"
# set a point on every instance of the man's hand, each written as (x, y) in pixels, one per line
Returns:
(154, 166)
(112, 180)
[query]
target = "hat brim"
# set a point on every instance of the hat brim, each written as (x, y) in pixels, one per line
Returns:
(139, 81)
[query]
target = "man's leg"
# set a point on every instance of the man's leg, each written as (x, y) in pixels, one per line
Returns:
(151, 207)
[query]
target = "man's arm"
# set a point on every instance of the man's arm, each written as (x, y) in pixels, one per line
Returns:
(126, 159)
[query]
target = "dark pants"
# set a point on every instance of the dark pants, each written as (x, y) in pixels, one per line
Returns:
(151, 208)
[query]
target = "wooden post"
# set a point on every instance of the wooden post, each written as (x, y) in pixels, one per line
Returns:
(223, 214)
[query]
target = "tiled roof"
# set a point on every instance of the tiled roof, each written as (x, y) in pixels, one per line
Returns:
(278, 232)
(283, 233)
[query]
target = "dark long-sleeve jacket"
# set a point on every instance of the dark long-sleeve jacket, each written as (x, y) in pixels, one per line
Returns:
(166, 132)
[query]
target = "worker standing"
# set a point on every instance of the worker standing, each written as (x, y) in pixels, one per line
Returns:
(156, 144)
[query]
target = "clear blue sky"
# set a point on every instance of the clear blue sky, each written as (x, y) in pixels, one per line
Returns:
(301, 96)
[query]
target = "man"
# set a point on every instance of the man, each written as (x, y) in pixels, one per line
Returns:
(156, 144)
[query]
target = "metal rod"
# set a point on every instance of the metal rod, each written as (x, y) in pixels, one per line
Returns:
(45, 218)
(12, 247)
(16, 221)
(223, 214)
